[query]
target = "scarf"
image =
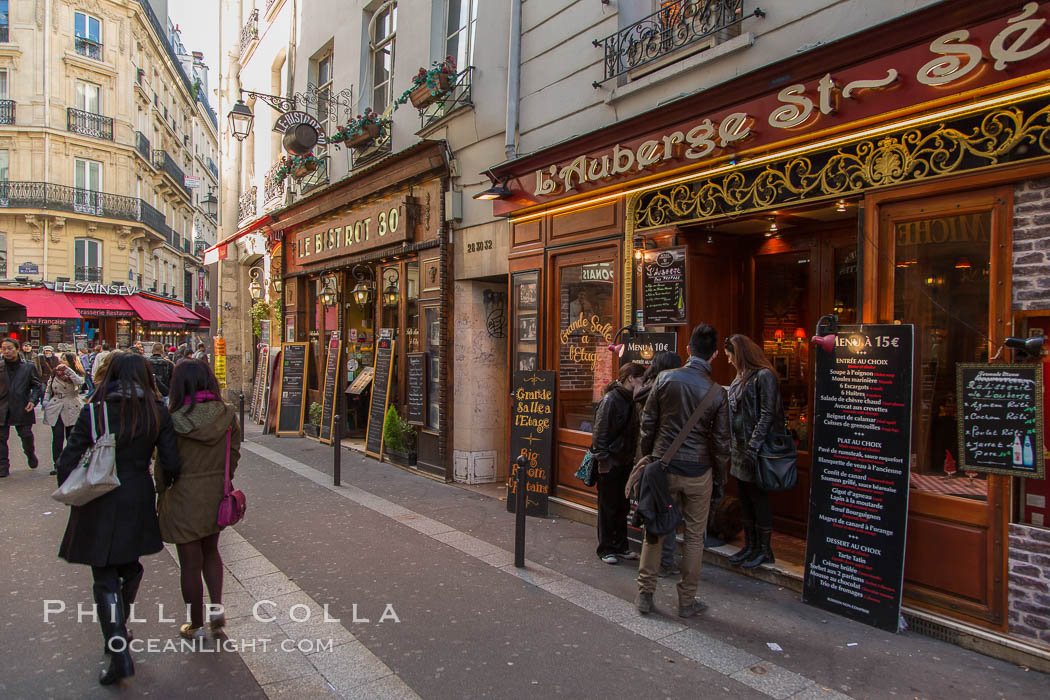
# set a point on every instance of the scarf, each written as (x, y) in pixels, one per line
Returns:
(200, 397)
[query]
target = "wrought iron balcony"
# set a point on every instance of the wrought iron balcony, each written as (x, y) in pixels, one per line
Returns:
(458, 95)
(273, 188)
(214, 170)
(248, 205)
(3, 268)
(315, 179)
(143, 146)
(672, 27)
(250, 30)
(87, 47)
(162, 161)
(3, 40)
(7, 111)
(87, 273)
(89, 124)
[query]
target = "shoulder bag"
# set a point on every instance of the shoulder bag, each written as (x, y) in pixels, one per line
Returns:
(97, 472)
(233, 503)
(776, 468)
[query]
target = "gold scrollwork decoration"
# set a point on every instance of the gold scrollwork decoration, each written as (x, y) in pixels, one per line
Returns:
(976, 141)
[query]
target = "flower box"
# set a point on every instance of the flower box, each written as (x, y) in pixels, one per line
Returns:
(369, 133)
(422, 96)
(304, 169)
(403, 459)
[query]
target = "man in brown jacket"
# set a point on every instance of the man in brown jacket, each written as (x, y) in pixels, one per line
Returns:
(696, 473)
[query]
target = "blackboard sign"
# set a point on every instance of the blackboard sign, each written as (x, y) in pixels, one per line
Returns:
(331, 387)
(642, 347)
(293, 389)
(531, 428)
(663, 287)
(417, 387)
(79, 341)
(384, 365)
(261, 367)
(858, 502)
(1001, 419)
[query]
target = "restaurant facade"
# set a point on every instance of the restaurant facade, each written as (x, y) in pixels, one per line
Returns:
(901, 178)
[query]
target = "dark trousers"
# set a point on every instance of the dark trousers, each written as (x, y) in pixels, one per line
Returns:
(25, 433)
(754, 504)
(612, 511)
(59, 434)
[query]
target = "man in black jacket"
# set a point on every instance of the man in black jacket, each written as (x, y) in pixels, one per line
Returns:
(162, 368)
(696, 472)
(20, 392)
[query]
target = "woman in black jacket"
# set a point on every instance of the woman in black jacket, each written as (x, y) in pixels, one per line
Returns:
(110, 533)
(613, 443)
(755, 408)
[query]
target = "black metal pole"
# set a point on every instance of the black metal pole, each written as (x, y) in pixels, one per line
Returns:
(519, 513)
(337, 458)
(242, 412)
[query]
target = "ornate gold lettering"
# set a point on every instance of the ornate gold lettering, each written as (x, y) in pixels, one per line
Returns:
(577, 169)
(797, 109)
(622, 159)
(856, 85)
(949, 67)
(1016, 51)
(700, 141)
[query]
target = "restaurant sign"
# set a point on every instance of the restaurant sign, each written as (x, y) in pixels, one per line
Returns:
(381, 223)
(957, 60)
(122, 290)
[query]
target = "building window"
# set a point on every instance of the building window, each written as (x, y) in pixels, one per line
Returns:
(461, 21)
(3, 165)
(3, 255)
(87, 260)
(382, 31)
(88, 183)
(88, 36)
(324, 92)
(3, 85)
(89, 98)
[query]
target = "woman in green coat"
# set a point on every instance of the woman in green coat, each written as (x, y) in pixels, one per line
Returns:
(189, 509)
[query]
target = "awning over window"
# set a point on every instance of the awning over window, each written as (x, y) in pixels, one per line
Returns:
(42, 305)
(205, 318)
(155, 313)
(101, 305)
(186, 315)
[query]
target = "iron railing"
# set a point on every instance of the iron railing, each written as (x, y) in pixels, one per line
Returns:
(89, 124)
(7, 111)
(153, 218)
(458, 95)
(143, 146)
(87, 273)
(3, 268)
(273, 188)
(214, 170)
(16, 194)
(247, 206)
(162, 161)
(316, 178)
(250, 30)
(672, 27)
(88, 48)
(4, 39)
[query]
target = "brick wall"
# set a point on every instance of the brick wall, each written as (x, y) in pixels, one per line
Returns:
(1031, 275)
(1029, 582)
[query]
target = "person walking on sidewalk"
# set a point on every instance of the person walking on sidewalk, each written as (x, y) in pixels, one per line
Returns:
(208, 432)
(162, 368)
(98, 366)
(112, 532)
(697, 471)
(62, 404)
(661, 361)
(755, 405)
(20, 392)
(613, 443)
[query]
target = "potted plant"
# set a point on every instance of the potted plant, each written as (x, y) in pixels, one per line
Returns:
(360, 132)
(304, 165)
(429, 86)
(399, 439)
(313, 428)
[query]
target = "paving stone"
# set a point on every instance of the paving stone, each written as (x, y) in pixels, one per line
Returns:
(350, 666)
(771, 679)
(710, 652)
(252, 567)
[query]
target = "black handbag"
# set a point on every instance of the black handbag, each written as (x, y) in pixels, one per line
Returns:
(776, 468)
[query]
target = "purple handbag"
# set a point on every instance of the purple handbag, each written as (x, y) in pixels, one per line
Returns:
(233, 504)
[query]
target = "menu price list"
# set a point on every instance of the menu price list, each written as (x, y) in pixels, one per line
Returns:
(1001, 421)
(664, 286)
(380, 396)
(858, 510)
(293, 385)
(416, 388)
(532, 424)
(328, 393)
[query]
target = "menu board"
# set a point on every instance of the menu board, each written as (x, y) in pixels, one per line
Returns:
(293, 389)
(79, 341)
(643, 347)
(1001, 419)
(663, 287)
(257, 384)
(531, 428)
(417, 387)
(330, 389)
(380, 396)
(54, 334)
(858, 501)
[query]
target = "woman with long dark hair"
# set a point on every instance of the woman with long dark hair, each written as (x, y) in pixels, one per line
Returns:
(661, 361)
(207, 434)
(613, 444)
(755, 407)
(112, 532)
(62, 402)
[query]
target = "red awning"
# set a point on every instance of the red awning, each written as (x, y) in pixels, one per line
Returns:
(155, 313)
(101, 305)
(41, 305)
(185, 314)
(205, 320)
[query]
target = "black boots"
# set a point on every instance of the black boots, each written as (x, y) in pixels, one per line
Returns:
(763, 553)
(749, 545)
(111, 619)
(129, 588)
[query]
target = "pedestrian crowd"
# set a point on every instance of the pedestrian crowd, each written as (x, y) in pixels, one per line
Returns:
(176, 448)
(669, 436)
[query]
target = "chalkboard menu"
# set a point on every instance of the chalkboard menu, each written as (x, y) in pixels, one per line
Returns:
(80, 341)
(1001, 419)
(330, 389)
(293, 389)
(858, 502)
(417, 387)
(531, 428)
(257, 384)
(264, 400)
(642, 347)
(663, 287)
(380, 396)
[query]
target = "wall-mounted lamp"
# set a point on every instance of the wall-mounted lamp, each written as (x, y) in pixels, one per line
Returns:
(255, 287)
(778, 336)
(616, 347)
(329, 295)
(498, 189)
(391, 293)
(841, 206)
(800, 335)
(364, 290)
